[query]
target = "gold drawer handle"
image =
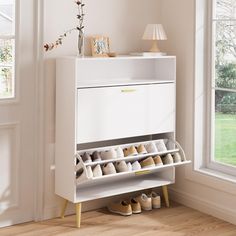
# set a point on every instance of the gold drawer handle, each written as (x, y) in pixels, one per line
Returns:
(128, 90)
(142, 172)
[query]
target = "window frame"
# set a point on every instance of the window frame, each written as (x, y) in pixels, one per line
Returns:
(210, 161)
(14, 36)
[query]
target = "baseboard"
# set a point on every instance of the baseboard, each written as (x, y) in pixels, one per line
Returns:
(203, 205)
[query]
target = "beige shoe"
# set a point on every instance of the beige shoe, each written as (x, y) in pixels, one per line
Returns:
(135, 205)
(157, 160)
(151, 147)
(177, 158)
(145, 202)
(141, 149)
(168, 159)
(121, 166)
(108, 154)
(148, 162)
(108, 169)
(156, 200)
(122, 208)
(131, 151)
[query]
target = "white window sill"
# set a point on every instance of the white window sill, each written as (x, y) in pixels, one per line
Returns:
(217, 174)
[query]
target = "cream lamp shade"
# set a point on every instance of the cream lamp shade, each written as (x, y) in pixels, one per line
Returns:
(154, 32)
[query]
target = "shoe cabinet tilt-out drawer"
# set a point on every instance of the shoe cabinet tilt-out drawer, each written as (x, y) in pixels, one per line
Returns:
(105, 113)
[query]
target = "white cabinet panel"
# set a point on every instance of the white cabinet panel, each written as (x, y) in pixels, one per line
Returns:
(162, 108)
(111, 113)
(118, 112)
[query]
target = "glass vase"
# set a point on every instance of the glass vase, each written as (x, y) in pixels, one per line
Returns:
(80, 52)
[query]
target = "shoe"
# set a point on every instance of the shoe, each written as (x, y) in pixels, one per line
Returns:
(145, 202)
(96, 156)
(136, 166)
(141, 149)
(89, 172)
(148, 162)
(161, 147)
(157, 160)
(121, 167)
(135, 205)
(156, 200)
(177, 158)
(151, 148)
(86, 158)
(122, 208)
(109, 154)
(97, 171)
(168, 159)
(131, 151)
(108, 169)
(119, 152)
(129, 166)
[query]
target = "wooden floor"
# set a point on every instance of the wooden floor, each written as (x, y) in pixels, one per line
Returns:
(177, 221)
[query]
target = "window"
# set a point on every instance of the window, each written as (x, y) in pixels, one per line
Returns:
(223, 86)
(7, 48)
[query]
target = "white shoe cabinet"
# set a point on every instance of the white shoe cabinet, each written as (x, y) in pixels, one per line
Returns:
(104, 103)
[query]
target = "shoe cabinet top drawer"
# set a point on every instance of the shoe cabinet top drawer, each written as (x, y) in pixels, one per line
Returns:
(107, 113)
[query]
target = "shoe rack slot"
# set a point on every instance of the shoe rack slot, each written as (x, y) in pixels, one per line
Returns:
(144, 171)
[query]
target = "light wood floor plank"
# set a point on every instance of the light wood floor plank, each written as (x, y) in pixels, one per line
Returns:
(177, 220)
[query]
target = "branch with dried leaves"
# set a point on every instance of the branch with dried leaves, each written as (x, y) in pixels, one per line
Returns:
(79, 27)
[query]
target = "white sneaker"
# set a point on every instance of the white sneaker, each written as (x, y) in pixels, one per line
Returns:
(136, 166)
(156, 200)
(89, 172)
(177, 158)
(97, 171)
(129, 166)
(151, 148)
(145, 202)
(119, 152)
(108, 169)
(121, 166)
(161, 146)
(168, 159)
(109, 154)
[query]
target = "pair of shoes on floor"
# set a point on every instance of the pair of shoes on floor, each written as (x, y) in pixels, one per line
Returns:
(150, 201)
(125, 208)
(151, 162)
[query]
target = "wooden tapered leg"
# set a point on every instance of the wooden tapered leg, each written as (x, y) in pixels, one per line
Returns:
(64, 205)
(78, 214)
(166, 196)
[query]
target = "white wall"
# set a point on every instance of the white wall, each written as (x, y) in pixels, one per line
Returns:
(205, 193)
(122, 20)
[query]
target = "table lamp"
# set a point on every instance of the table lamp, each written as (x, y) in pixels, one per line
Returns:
(154, 32)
